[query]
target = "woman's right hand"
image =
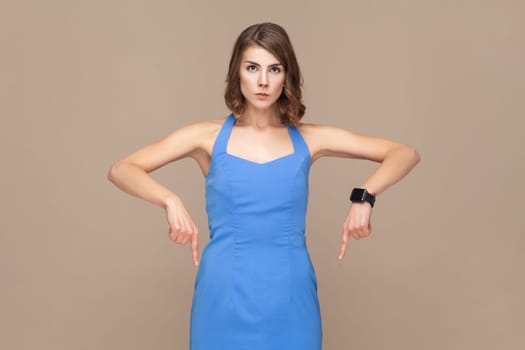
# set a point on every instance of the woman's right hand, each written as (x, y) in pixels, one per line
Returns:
(182, 229)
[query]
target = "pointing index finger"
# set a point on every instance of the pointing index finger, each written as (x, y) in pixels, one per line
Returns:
(195, 249)
(344, 245)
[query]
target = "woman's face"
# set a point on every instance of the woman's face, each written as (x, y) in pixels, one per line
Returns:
(262, 77)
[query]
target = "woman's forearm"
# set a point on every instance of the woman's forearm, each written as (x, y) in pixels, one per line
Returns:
(396, 165)
(137, 182)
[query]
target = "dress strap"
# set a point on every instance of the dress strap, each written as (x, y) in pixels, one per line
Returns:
(300, 145)
(224, 133)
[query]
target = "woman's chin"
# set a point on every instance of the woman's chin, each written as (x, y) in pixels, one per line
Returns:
(261, 105)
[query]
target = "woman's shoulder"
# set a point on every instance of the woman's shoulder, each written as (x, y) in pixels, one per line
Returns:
(202, 133)
(312, 129)
(194, 139)
(320, 136)
(205, 126)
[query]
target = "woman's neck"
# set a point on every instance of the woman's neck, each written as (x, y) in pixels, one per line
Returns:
(259, 119)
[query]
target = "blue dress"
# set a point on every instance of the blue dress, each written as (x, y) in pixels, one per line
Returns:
(255, 287)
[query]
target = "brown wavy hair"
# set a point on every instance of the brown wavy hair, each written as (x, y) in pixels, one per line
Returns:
(275, 40)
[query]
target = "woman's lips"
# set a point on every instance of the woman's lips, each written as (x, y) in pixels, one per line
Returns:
(262, 95)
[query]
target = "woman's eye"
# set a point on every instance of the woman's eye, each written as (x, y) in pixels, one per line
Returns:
(276, 69)
(249, 68)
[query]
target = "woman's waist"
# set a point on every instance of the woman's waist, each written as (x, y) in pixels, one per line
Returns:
(279, 236)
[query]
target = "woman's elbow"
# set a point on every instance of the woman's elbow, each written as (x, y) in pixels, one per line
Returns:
(113, 171)
(413, 154)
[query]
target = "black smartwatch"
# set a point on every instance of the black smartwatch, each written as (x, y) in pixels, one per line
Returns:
(361, 195)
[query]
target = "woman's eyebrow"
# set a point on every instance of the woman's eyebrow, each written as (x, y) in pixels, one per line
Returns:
(257, 64)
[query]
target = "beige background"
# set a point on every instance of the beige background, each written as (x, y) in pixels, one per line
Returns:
(84, 83)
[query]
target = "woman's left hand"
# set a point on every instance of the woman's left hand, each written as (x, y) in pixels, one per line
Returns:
(357, 224)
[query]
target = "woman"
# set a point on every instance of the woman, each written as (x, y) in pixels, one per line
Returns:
(256, 287)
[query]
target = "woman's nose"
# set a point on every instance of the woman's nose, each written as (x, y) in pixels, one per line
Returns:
(263, 80)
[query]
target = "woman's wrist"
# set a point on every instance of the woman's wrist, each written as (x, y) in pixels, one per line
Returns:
(170, 201)
(369, 189)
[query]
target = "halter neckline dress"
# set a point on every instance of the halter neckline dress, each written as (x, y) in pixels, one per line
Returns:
(255, 287)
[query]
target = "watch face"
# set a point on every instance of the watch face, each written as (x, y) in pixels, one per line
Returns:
(358, 195)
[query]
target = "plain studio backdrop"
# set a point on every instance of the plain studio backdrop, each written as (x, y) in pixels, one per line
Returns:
(84, 83)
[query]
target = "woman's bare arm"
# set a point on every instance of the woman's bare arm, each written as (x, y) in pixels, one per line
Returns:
(396, 159)
(131, 174)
